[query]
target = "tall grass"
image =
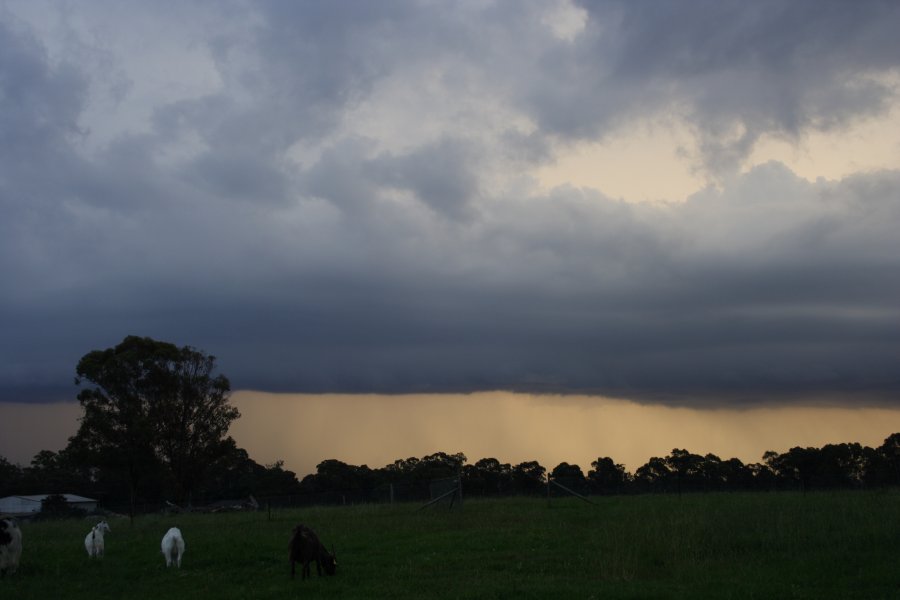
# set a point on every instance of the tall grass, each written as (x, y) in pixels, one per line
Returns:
(818, 545)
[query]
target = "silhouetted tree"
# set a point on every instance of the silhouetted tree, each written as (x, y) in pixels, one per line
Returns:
(153, 404)
(334, 475)
(570, 476)
(402, 470)
(418, 472)
(528, 477)
(796, 467)
(440, 465)
(191, 418)
(52, 472)
(731, 474)
(885, 463)
(839, 466)
(763, 476)
(10, 477)
(687, 469)
(487, 476)
(275, 480)
(654, 475)
(607, 477)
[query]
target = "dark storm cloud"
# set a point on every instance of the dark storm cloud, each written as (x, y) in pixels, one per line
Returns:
(346, 207)
(736, 71)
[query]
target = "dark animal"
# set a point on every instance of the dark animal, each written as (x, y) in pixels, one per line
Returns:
(10, 546)
(305, 548)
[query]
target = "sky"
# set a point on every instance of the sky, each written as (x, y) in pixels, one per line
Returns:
(685, 204)
(376, 429)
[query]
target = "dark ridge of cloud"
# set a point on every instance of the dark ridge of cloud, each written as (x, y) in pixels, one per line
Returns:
(770, 316)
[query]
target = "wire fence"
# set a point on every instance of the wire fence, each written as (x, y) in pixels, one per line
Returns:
(408, 492)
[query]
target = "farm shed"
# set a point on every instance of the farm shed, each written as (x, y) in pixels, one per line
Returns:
(25, 505)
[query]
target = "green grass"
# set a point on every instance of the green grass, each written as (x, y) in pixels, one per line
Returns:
(820, 545)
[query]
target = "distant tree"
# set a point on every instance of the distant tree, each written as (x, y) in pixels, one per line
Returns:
(528, 477)
(885, 469)
(275, 480)
(56, 473)
(566, 471)
(795, 468)
(402, 470)
(488, 476)
(45, 460)
(440, 465)
(606, 476)
(709, 473)
(764, 477)
(840, 466)
(571, 476)
(687, 469)
(153, 404)
(234, 475)
(335, 475)
(654, 475)
(10, 477)
(731, 474)
(420, 470)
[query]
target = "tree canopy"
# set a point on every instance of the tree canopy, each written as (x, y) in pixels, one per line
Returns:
(152, 407)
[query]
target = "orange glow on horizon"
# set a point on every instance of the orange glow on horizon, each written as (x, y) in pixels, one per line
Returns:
(375, 430)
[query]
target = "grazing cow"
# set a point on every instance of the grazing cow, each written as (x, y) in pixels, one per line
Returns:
(305, 548)
(173, 547)
(93, 542)
(10, 546)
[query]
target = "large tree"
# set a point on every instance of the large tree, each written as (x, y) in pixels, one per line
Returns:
(192, 420)
(153, 404)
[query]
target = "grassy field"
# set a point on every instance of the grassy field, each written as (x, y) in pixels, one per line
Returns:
(819, 545)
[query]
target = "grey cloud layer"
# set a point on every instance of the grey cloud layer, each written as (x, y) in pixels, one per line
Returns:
(348, 207)
(735, 71)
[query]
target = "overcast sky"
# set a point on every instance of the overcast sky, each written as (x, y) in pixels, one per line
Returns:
(693, 202)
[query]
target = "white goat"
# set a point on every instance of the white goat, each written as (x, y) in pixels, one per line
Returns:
(93, 541)
(173, 547)
(10, 546)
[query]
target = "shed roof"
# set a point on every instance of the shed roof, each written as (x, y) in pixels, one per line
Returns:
(71, 498)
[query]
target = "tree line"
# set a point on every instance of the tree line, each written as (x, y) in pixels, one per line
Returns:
(833, 466)
(155, 428)
(235, 475)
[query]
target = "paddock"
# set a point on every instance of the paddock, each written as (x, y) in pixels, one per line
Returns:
(816, 545)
